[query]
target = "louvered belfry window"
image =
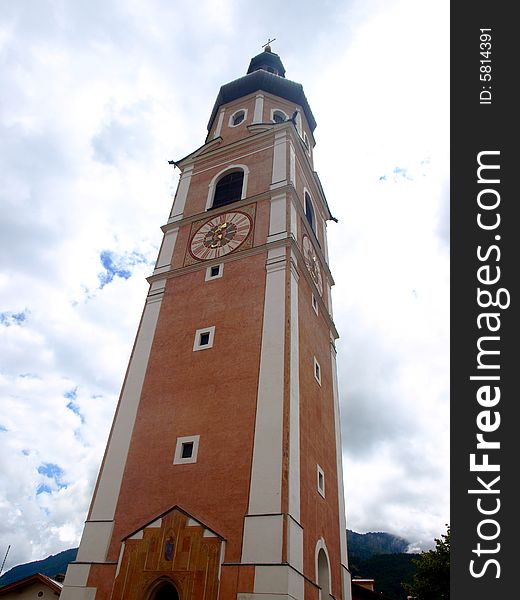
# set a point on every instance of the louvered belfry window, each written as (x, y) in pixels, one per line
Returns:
(229, 189)
(309, 211)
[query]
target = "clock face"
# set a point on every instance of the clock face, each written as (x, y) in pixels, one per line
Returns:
(220, 235)
(312, 263)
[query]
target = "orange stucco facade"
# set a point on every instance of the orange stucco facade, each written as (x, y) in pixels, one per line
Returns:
(222, 475)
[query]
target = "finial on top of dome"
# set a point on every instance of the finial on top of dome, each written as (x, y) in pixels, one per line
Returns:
(267, 45)
(267, 60)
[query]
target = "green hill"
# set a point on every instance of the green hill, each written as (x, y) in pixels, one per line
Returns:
(388, 570)
(364, 545)
(382, 557)
(50, 566)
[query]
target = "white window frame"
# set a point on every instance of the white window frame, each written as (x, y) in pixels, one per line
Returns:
(314, 303)
(316, 364)
(320, 475)
(197, 345)
(320, 545)
(177, 457)
(306, 143)
(209, 276)
(213, 183)
(314, 212)
(298, 122)
(232, 116)
(279, 110)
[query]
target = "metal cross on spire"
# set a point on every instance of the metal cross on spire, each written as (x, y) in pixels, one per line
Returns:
(267, 45)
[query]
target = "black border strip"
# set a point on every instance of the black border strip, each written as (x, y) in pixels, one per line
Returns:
(484, 124)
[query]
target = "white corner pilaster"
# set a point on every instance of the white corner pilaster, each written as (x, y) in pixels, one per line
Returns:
(278, 218)
(346, 583)
(263, 526)
(166, 252)
(258, 115)
(325, 242)
(329, 297)
(74, 586)
(294, 530)
(279, 174)
(266, 473)
(77, 593)
(181, 195)
(218, 128)
(294, 219)
(278, 581)
(292, 164)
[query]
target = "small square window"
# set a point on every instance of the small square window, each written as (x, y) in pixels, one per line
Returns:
(214, 272)
(320, 481)
(317, 371)
(314, 304)
(186, 450)
(204, 338)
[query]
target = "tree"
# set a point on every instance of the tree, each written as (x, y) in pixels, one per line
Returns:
(431, 580)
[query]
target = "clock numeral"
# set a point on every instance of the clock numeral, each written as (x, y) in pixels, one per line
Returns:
(207, 253)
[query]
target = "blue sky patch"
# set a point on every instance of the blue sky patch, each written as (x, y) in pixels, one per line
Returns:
(73, 406)
(71, 394)
(75, 409)
(399, 171)
(8, 318)
(43, 488)
(118, 265)
(52, 471)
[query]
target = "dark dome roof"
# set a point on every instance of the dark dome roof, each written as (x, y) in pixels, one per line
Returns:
(268, 61)
(263, 80)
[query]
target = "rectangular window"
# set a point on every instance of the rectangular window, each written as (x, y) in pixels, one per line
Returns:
(214, 272)
(317, 371)
(320, 481)
(204, 338)
(186, 450)
(314, 304)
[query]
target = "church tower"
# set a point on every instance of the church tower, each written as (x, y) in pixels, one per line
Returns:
(222, 477)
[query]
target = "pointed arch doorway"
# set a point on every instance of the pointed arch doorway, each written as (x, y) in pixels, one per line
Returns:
(165, 591)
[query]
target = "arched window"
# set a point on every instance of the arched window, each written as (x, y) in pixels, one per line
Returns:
(309, 212)
(306, 142)
(228, 189)
(165, 591)
(323, 575)
(279, 116)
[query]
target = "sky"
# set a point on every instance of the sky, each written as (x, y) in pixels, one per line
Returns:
(96, 97)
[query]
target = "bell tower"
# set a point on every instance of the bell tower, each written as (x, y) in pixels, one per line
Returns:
(222, 476)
